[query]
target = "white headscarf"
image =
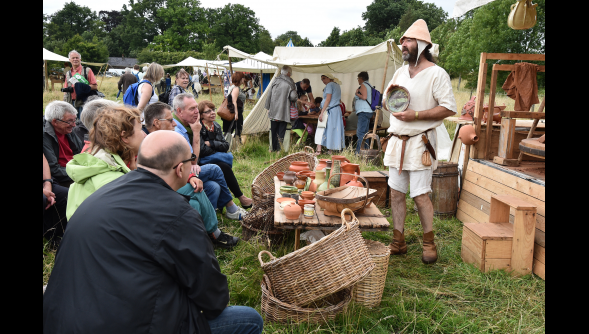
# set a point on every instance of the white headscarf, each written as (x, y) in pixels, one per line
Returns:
(336, 80)
(421, 45)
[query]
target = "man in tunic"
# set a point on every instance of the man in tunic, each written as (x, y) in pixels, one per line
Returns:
(414, 136)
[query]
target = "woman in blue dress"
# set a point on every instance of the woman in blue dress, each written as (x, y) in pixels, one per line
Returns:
(333, 135)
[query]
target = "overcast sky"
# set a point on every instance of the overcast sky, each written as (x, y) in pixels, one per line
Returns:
(278, 16)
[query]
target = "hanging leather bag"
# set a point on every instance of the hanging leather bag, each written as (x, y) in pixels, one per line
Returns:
(522, 15)
(226, 113)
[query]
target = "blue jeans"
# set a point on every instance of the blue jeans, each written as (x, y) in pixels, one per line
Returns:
(215, 186)
(200, 202)
(237, 320)
(363, 128)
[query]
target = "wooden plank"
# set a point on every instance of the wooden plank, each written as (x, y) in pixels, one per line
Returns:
(522, 251)
(505, 162)
(516, 56)
(475, 213)
(521, 123)
(511, 67)
(471, 240)
(468, 256)
(512, 181)
(478, 110)
(497, 264)
(463, 217)
(506, 137)
(514, 202)
(492, 231)
(523, 114)
(499, 211)
(492, 93)
(498, 249)
(539, 253)
(539, 269)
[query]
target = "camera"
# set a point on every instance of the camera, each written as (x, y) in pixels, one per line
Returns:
(68, 89)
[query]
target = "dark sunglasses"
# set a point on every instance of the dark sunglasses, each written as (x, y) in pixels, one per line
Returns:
(192, 158)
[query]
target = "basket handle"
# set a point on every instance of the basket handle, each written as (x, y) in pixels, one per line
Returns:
(309, 149)
(354, 175)
(268, 285)
(265, 252)
(344, 221)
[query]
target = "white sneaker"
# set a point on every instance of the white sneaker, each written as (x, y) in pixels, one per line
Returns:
(237, 215)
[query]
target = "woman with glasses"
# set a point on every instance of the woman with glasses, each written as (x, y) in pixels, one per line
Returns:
(214, 147)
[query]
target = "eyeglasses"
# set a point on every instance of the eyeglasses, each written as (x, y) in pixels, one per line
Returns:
(165, 119)
(208, 111)
(192, 158)
(72, 123)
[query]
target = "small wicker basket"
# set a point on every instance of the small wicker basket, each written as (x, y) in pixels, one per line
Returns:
(260, 221)
(325, 267)
(368, 291)
(322, 311)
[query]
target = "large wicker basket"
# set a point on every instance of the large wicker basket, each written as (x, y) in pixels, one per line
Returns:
(260, 221)
(263, 184)
(321, 311)
(337, 261)
(368, 291)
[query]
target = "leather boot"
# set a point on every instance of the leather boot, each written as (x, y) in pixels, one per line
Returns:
(430, 252)
(398, 246)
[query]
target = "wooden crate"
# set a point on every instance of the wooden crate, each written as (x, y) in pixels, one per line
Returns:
(379, 181)
(487, 246)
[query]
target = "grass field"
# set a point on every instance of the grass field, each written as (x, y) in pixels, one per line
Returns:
(447, 297)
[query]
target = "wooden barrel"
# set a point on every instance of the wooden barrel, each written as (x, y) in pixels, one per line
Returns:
(444, 193)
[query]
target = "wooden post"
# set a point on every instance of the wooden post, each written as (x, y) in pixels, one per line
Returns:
(478, 110)
(103, 73)
(209, 78)
(384, 80)
(506, 138)
(230, 66)
(261, 83)
(46, 77)
(489, 136)
(522, 248)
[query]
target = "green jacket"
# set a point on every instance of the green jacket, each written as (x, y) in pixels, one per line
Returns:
(89, 173)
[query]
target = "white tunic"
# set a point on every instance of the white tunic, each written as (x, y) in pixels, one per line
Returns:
(428, 89)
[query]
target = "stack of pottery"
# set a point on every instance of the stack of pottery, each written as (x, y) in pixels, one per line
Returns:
(299, 166)
(348, 168)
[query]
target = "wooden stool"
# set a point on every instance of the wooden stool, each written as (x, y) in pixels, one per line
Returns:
(499, 244)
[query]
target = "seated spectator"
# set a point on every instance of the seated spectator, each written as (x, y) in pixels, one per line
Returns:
(145, 264)
(114, 143)
(59, 144)
(213, 150)
(188, 124)
(182, 82)
(88, 116)
(158, 116)
(126, 80)
(54, 205)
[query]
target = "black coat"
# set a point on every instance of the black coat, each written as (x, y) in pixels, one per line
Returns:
(216, 139)
(132, 263)
(51, 151)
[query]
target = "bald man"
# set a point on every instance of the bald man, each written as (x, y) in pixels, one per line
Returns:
(132, 262)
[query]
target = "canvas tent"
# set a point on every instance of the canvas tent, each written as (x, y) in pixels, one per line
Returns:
(252, 65)
(461, 7)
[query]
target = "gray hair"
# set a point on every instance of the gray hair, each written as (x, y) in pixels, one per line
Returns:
(58, 109)
(179, 100)
(128, 70)
(144, 68)
(74, 51)
(92, 109)
(286, 70)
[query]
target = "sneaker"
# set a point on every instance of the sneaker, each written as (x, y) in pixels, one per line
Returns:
(224, 240)
(237, 215)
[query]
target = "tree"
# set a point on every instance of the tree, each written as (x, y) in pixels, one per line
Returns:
(186, 26)
(332, 39)
(358, 37)
(111, 18)
(430, 13)
(70, 21)
(93, 51)
(382, 14)
(297, 40)
(265, 41)
(235, 25)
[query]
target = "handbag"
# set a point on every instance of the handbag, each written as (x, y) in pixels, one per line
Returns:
(226, 113)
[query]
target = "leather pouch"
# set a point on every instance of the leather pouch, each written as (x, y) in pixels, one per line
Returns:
(426, 159)
(522, 15)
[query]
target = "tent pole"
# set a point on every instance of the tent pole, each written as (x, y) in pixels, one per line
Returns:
(384, 79)
(210, 84)
(46, 77)
(103, 73)
(230, 66)
(261, 83)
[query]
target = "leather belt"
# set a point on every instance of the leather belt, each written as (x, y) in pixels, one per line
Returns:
(405, 138)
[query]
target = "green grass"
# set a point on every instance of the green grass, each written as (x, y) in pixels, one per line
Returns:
(447, 297)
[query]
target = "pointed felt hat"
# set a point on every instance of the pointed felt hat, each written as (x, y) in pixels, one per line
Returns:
(418, 30)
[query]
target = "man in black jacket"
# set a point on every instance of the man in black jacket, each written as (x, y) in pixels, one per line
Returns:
(131, 262)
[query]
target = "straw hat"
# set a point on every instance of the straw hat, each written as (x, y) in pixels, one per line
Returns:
(418, 30)
(330, 76)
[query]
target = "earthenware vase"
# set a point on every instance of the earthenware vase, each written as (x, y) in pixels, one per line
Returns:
(319, 179)
(336, 170)
(322, 163)
(301, 182)
(292, 211)
(355, 182)
(350, 169)
(299, 166)
(324, 185)
(468, 135)
(289, 177)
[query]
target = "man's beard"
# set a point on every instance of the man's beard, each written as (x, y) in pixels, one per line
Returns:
(411, 55)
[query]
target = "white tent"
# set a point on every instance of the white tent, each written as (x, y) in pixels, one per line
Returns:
(461, 7)
(48, 55)
(252, 65)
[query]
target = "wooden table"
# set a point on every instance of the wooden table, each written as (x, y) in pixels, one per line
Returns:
(370, 220)
(310, 119)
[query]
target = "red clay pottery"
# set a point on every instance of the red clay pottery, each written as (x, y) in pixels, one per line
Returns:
(280, 175)
(319, 179)
(350, 169)
(299, 166)
(340, 158)
(289, 178)
(302, 203)
(292, 211)
(468, 135)
(308, 195)
(355, 182)
(322, 164)
(301, 182)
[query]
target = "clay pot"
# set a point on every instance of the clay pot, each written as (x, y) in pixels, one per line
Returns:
(355, 182)
(288, 189)
(283, 201)
(299, 166)
(289, 178)
(301, 182)
(322, 164)
(292, 211)
(319, 179)
(280, 175)
(350, 169)
(340, 158)
(308, 195)
(302, 203)
(468, 135)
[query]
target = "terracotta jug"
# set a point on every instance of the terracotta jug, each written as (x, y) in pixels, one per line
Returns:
(350, 169)
(301, 182)
(322, 164)
(318, 180)
(325, 185)
(340, 158)
(468, 135)
(292, 211)
(289, 178)
(355, 182)
(299, 166)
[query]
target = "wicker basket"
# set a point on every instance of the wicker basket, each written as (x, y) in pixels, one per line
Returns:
(325, 267)
(368, 291)
(260, 221)
(322, 311)
(263, 184)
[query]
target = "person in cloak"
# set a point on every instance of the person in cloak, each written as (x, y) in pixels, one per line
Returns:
(410, 153)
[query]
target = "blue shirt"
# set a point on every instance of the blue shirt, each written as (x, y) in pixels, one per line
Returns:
(182, 131)
(364, 105)
(336, 94)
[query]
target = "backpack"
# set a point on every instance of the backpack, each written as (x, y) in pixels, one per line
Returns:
(136, 76)
(130, 97)
(376, 98)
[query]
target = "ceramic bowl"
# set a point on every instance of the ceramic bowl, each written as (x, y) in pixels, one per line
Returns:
(288, 189)
(280, 176)
(302, 203)
(309, 195)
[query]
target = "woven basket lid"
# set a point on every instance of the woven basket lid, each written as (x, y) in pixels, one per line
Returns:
(376, 248)
(397, 99)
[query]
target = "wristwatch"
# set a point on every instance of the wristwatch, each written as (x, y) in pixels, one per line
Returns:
(48, 180)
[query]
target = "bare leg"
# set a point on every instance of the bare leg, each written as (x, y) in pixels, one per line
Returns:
(318, 151)
(426, 212)
(399, 210)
